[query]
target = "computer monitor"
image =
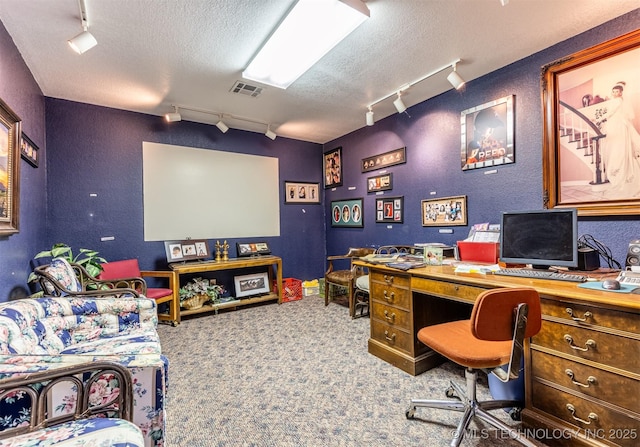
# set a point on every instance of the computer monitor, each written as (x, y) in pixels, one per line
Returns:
(542, 238)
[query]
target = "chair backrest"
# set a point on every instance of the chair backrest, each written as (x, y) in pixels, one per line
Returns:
(58, 277)
(127, 268)
(507, 314)
(393, 249)
(359, 252)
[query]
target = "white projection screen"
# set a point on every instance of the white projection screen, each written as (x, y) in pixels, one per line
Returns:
(207, 194)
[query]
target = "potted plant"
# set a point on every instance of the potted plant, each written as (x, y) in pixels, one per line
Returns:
(199, 291)
(87, 258)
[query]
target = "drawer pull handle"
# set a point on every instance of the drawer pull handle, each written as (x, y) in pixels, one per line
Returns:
(592, 416)
(587, 315)
(388, 279)
(390, 339)
(389, 297)
(591, 380)
(589, 344)
(390, 318)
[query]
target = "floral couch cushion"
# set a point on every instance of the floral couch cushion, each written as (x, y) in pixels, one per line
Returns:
(62, 271)
(43, 333)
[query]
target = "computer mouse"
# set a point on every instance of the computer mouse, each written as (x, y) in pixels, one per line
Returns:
(611, 284)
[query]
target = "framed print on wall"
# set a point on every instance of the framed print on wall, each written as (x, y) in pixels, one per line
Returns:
(591, 142)
(347, 213)
(29, 151)
(333, 168)
(447, 211)
(487, 134)
(10, 126)
(382, 182)
(301, 192)
(391, 158)
(390, 209)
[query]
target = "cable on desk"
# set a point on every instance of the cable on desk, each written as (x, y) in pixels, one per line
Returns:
(588, 241)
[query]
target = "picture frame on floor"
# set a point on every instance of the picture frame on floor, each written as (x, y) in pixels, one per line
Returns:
(252, 284)
(444, 212)
(591, 145)
(347, 213)
(10, 132)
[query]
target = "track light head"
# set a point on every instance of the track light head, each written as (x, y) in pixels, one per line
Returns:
(222, 126)
(270, 134)
(173, 116)
(400, 107)
(82, 42)
(369, 117)
(455, 79)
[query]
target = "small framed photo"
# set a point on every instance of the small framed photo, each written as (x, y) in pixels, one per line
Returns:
(29, 151)
(301, 192)
(332, 168)
(448, 211)
(252, 249)
(391, 158)
(347, 213)
(382, 182)
(187, 250)
(390, 209)
(252, 284)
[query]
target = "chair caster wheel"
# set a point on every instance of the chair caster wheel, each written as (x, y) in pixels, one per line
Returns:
(410, 412)
(450, 392)
(515, 413)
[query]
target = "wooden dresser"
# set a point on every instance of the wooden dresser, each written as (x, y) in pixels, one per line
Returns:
(582, 371)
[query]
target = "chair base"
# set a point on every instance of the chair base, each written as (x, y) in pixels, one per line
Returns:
(471, 407)
(361, 305)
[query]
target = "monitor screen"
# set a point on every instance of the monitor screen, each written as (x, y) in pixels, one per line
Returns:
(542, 238)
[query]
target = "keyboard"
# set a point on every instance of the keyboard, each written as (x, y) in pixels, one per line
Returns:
(541, 274)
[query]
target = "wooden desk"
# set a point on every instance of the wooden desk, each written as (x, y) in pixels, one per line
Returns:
(274, 264)
(582, 371)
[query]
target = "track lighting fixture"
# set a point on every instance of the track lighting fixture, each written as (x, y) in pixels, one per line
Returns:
(173, 116)
(222, 126)
(270, 134)
(455, 79)
(85, 40)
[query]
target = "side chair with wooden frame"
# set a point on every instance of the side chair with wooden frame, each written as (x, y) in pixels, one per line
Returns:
(344, 278)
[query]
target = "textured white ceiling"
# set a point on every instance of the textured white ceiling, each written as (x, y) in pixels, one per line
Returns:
(155, 53)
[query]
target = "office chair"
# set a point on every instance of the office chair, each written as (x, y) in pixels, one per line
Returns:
(128, 269)
(344, 279)
(501, 320)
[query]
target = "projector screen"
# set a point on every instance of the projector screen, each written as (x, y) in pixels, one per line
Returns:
(207, 194)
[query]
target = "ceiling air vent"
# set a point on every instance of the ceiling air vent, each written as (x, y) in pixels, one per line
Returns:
(245, 89)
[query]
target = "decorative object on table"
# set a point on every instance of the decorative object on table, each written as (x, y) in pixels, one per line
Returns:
(252, 284)
(186, 250)
(382, 182)
(332, 168)
(10, 126)
(487, 134)
(252, 249)
(347, 213)
(447, 211)
(590, 142)
(29, 151)
(225, 251)
(301, 192)
(391, 158)
(390, 209)
(218, 251)
(198, 291)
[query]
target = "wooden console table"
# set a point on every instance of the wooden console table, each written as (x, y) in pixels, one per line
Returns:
(275, 271)
(582, 371)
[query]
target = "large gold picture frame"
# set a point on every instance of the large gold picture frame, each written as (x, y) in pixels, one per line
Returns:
(589, 99)
(9, 170)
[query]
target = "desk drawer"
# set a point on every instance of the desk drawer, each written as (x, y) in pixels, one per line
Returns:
(598, 383)
(589, 418)
(391, 315)
(390, 295)
(590, 315)
(458, 292)
(605, 348)
(394, 337)
(391, 279)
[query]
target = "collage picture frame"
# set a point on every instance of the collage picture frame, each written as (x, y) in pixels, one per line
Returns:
(446, 211)
(347, 213)
(390, 209)
(301, 192)
(186, 250)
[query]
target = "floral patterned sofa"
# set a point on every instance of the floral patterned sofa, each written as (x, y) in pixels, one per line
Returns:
(38, 334)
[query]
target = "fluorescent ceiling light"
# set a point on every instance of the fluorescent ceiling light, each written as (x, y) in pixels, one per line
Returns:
(310, 30)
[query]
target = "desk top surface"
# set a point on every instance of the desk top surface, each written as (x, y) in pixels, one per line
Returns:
(553, 288)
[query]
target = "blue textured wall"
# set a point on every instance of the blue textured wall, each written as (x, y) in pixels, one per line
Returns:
(432, 138)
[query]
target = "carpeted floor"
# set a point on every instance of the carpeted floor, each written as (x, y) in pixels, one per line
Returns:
(299, 374)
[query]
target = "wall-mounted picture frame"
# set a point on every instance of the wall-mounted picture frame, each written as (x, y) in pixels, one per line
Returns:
(444, 212)
(10, 131)
(347, 213)
(252, 249)
(391, 158)
(252, 284)
(590, 140)
(390, 209)
(301, 192)
(382, 182)
(186, 250)
(29, 151)
(487, 134)
(332, 168)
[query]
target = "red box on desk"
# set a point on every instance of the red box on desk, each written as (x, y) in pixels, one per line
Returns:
(291, 289)
(479, 251)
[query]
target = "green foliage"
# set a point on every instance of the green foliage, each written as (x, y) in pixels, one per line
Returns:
(87, 258)
(200, 286)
